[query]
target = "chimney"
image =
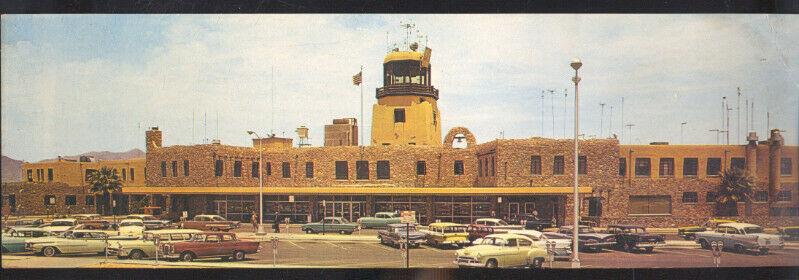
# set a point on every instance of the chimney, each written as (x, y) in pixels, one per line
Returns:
(774, 156)
(153, 138)
(751, 155)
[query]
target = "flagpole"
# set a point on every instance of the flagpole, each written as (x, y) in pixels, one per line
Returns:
(360, 125)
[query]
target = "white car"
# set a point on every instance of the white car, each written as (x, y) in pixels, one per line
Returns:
(60, 225)
(131, 227)
(70, 242)
(562, 247)
(499, 225)
(740, 237)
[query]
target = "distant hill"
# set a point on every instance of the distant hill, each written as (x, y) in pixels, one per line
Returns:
(11, 169)
(105, 155)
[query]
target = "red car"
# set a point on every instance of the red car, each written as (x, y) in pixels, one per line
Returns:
(210, 245)
(479, 231)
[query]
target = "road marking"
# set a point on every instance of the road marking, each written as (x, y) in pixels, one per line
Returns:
(298, 246)
(334, 245)
(383, 247)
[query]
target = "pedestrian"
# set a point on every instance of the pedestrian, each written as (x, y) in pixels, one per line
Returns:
(254, 221)
(535, 215)
(276, 225)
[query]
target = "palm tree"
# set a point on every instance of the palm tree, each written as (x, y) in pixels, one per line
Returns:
(105, 182)
(735, 187)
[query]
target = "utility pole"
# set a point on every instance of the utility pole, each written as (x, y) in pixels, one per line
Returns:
(601, 119)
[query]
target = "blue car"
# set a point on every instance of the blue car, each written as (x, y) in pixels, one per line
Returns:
(14, 239)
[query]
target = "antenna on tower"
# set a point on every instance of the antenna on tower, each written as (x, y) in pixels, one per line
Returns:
(408, 26)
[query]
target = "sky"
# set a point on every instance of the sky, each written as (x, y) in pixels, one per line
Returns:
(77, 83)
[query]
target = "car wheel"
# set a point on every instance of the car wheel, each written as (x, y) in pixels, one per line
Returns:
(703, 243)
(628, 247)
(381, 240)
(238, 256)
(342, 232)
(649, 249)
(187, 256)
(739, 248)
(492, 263)
(308, 231)
(49, 251)
(764, 251)
(136, 255)
(537, 263)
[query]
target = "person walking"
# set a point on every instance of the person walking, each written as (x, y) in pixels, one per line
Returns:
(276, 225)
(254, 221)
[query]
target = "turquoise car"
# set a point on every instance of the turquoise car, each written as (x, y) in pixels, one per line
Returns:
(330, 224)
(380, 220)
(14, 239)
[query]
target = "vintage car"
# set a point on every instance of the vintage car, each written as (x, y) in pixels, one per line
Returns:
(131, 227)
(60, 225)
(538, 225)
(502, 250)
(380, 220)
(589, 239)
(330, 224)
(109, 228)
(562, 246)
(395, 234)
(450, 234)
(740, 237)
(789, 233)
(631, 238)
(14, 241)
(25, 223)
(210, 222)
(209, 245)
(150, 221)
(478, 232)
(144, 247)
(688, 233)
(86, 217)
(499, 225)
(71, 242)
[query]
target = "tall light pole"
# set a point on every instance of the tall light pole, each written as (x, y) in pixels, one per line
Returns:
(681, 131)
(728, 123)
(261, 230)
(576, 64)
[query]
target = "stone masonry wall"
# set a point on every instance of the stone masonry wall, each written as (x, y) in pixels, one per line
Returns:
(30, 198)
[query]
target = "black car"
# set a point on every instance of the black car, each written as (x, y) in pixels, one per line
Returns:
(397, 233)
(630, 238)
(589, 239)
(538, 225)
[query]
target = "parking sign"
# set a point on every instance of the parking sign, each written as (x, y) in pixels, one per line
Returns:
(407, 217)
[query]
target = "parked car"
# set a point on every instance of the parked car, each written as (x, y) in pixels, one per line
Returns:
(380, 220)
(25, 223)
(151, 222)
(499, 225)
(109, 228)
(562, 248)
(131, 227)
(210, 222)
(589, 239)
(538, 225)
(449, 234)
(60, 225)
(395, 234)
(144, 247)
(631, 238)
(502, 250)
(478, 231)
(688, 233)
(789, 233)
(330, 224)
(210, 245)
(14, 241)
(740, 237)
(87, 217)
(71, 242)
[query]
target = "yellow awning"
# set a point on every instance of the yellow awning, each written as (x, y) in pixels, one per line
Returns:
(357, 190)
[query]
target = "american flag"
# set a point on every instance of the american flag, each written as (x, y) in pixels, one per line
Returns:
(356, 80)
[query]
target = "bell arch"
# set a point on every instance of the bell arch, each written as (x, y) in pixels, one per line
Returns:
(470, 140)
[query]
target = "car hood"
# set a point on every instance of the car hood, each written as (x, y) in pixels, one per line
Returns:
(473, 250)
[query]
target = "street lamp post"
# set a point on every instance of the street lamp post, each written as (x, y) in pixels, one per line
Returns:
(576, 64)
(261, 230)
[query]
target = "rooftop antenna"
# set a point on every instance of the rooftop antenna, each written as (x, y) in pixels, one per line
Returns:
(192, 126)
(629, 129)
(738, 118)
(565, 95)
(272, 130)
(205, 127)
(622, 119)
(601, 119)
(217, 125)
(408, 26)
(552, 108)
(542, 114)
(610, 129)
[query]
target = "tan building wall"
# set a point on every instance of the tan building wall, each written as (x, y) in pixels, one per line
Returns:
(422, 124)
(73, 173)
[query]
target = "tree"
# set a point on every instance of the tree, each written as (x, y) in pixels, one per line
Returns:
(106, 183)
(735, 187)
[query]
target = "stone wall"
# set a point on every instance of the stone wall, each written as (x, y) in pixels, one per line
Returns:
(30, 198)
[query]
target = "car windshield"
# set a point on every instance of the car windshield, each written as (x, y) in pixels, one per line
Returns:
(634, 230)
(750, 230)
(502, 223)
(128, 224)
(62, 223)
(403, 229)
(217, 218)
(344, 221)
(493, 241)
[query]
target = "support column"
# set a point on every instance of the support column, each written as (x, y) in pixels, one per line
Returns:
(775, 157)
(430, 214)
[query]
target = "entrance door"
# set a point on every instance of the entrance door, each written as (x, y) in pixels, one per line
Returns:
(513, 210)
(221, 208)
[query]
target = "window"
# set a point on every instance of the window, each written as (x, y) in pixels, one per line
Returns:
(784, 196)
(761, 196)
(785, 166)
(399, 115)
(309, 169)
(713, 166)
(30, 175)
(479, 168)
(738, 163)
(256, 169)
(286, 166)
(50, 175)
(666, 167)
(650, 205)
(642, 167)
(710, 197)
(186, 167)
(689, 166)
(362, 170)
(689, 197)
(163, 169)
(174, 168)
(594, 206)
(383, 170)
(49, 200)
(535, 165)
(342, 170)
(458, 167)
(268, 169)
(124, 174)
(421, 168)
(70, 200)
(493, 173)
(582, 165)
(237, 168)
(557, 167)
(89, 200)
(622, 167)
(219, 168)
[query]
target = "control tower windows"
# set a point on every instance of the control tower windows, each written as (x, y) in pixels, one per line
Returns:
(405, 72)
